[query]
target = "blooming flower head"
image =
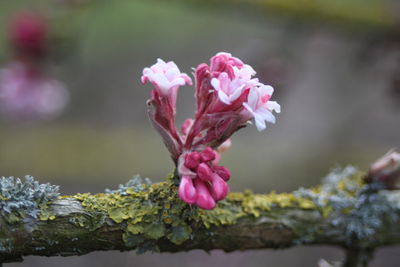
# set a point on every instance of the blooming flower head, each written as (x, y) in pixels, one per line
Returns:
(165, 77)
(227, 97)
(259, 106)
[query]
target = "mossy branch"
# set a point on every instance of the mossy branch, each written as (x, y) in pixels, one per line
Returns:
(342, 211)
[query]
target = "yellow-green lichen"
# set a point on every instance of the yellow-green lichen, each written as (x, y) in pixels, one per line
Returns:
(150, 213)
(238, 205)
(45, 214)
(155, 211)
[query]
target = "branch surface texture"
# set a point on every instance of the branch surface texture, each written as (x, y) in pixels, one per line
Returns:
(343, 211)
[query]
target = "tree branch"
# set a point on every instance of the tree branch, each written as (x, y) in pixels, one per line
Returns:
(343, 211)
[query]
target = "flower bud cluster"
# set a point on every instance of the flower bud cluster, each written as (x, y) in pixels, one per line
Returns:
(203, 181)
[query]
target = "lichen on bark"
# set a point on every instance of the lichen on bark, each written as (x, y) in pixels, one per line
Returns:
(144, 216)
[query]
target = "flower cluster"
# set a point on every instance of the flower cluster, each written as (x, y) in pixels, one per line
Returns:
(227, 98)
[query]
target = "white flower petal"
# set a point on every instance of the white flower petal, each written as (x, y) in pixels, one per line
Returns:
(253, 97)
(260, 123)
(162, 83)
(160, 61)
(216, 84)
(267, 115)
(246, 106)
(177, 82)
(266, 90)
(273, 105)
(223, 97)
(236, 93)
(171, 74)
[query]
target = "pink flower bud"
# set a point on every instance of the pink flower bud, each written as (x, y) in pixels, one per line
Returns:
(224, 62)
(219, 188)
(208, 154)
(187, 192)
(204, 198)
(204, 172)
(223, 172)
(192, 160)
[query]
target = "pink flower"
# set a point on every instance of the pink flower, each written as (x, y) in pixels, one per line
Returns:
(165, 77)
(260, 107)
(26, 92)
(227, 97)
(228, 90)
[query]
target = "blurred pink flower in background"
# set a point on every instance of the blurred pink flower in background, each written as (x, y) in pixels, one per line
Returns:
(26, 90)
(28, 93)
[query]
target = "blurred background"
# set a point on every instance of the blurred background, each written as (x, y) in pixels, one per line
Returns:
(335, 66)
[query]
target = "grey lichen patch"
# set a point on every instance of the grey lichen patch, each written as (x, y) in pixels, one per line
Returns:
(136, 183)
(350, 205)
(21, 198)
